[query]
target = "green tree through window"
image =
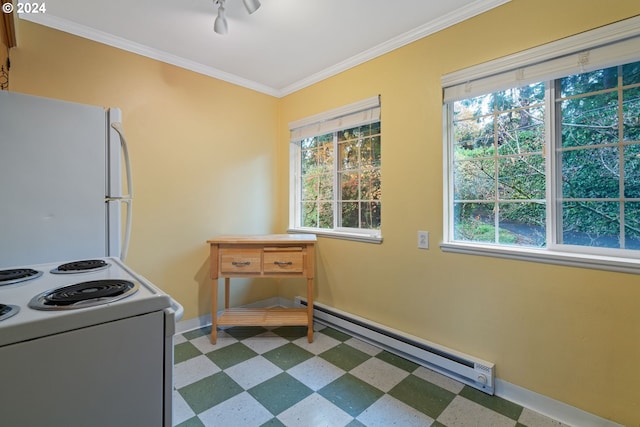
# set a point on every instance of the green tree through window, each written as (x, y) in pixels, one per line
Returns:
(340, 179)
(507, 192)
(335, 172)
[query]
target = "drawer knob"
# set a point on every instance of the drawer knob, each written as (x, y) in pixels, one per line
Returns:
(240, 263)
(282, 263)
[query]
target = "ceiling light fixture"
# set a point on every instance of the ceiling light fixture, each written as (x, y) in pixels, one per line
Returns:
(220, 25)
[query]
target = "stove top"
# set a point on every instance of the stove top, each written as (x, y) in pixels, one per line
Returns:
(71, 301)
(16, 275)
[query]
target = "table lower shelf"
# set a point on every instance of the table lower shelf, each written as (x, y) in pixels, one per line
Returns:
(263, 317)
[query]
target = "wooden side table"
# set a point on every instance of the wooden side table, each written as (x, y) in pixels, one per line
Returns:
(274, 255)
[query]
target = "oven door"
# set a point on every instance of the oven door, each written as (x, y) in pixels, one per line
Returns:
(110, 374)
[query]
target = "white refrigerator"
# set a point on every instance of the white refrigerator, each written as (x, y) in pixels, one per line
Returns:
(62, 192)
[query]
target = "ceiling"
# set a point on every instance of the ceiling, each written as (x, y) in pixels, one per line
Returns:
(282, 47)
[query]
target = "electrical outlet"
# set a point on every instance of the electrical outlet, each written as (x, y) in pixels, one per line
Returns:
(423, 240)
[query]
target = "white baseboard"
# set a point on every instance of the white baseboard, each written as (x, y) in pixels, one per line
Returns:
(549, 407)
(191, 324)
(536, 402)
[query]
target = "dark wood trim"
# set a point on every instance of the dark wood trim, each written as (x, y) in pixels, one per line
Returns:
(8, 30)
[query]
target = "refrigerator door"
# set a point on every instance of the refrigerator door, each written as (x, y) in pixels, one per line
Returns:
(53, 180)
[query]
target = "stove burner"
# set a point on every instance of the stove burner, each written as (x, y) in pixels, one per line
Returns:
(7, 311)
(8, 277)
(84, 294)
(81, 266)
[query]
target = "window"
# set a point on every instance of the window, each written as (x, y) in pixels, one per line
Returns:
(598, 157)
(335, 172)
(544, 159)
(498, 168)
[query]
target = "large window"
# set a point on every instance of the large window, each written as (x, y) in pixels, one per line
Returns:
(335, 172)
(547, 165)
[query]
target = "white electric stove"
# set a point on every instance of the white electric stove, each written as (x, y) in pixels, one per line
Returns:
(87, 344)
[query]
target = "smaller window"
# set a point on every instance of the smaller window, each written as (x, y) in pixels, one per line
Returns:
(335, 172)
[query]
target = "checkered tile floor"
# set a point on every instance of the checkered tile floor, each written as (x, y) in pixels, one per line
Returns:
(255, 376)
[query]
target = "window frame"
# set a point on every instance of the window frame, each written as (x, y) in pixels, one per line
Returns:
(620, 260)
(370, 107)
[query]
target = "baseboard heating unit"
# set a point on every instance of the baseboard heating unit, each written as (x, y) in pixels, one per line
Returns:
(469, 370)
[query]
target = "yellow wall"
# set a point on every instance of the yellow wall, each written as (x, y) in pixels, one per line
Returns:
(571, 334)
(202, 152)
(568, 333)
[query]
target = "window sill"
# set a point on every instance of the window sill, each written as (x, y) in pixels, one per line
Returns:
(598, 262)
(357, 237)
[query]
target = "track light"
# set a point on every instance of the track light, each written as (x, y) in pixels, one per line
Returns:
(251, 5)
(220, 25)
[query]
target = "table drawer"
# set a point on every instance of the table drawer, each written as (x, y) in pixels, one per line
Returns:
(240, 261)
(283, 262)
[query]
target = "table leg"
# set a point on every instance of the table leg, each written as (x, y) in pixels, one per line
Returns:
(227, 280)
(214, 310)
(310, 310)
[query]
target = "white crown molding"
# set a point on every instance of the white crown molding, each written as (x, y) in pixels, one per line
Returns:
(143, 50)
(584, 41)
(418, 33)
(476, 8)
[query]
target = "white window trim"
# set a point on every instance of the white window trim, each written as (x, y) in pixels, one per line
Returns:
(328, 121)
(577, 53)
(622, 265)
(457, 84)
(338, 234)
(339, 118)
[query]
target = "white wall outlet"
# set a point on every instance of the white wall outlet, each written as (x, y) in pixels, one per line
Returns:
(423, 240)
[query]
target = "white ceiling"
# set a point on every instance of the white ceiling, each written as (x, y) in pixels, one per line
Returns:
(282, 47)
